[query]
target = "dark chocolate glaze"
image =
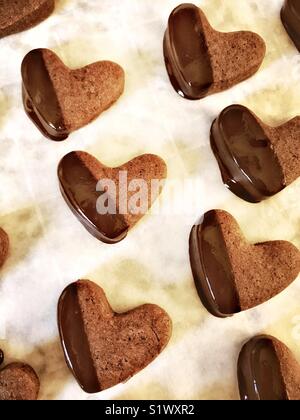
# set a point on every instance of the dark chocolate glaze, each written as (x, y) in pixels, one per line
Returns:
(290, 16)
(259, 372)
(78, 187)
(249, 166)
(186, 53)
(75, 342)
(1, 357)
(40, 99)
(211, 268)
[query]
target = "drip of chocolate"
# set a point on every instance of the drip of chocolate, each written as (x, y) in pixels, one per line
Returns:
(211, 268)
(79, 188)
(1, 357)
(249, 166)
(290, 16)
(39, 97)
(259, 372)
(186, 53)
(75, 342)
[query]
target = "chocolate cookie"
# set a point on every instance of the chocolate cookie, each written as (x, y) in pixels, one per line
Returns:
(18, 15)
(60, 100)
(4, 246)
(290, 16)
(201, 61)
(18, 382)
(268, 371)
(232, 275)
(80, 175)
(256, 161)
(103, 348)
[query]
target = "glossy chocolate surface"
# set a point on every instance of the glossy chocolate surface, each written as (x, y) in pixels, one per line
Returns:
(290, 16)
(212, 269)
(79, 188)
(249, 166)
(75, 342)
(40, 99)
(186, 53)
(1, 357)
(259, 372)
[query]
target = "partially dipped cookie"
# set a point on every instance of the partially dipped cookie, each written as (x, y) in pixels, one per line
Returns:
(110, 201)
(104, 348)
(4, 246)
(231, 275)
(18, 382)
(256, 161)
(290, 16)
(268, 371)
(19, 15)
(201, 61)
(59, 100)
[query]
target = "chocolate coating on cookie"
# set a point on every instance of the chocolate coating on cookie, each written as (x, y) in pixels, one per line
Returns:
(201, 61)
(186, 53)
(39, 97)
(211, 267)
(1, 357)
(290, 16)
(268, 371)
(19, 15)
(75, 342)
(249, 165)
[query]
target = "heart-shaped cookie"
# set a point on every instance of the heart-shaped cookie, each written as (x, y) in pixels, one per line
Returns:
(201, 61)
(103, 348)
(257, 161)
(110, 201)
(60, 100)
(290, 16)
(18, 382)
(268, 371)
(18, 15)
(4, 246)
(232, 275)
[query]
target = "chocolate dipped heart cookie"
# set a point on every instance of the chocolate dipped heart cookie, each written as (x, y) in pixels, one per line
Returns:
(4, 246)
(231, 275)
(19, 15)
(268, 371)
(201, 61)
(60, 100)
(256, 161)
(18, 382)
(290, 16)
(103, 348)
(110, 201)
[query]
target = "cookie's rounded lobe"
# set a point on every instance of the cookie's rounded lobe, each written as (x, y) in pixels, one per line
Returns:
(18, 382)
(249, 165)
(19, 15)
(290, 16)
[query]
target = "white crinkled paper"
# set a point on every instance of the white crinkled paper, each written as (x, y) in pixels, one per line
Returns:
(50, 248)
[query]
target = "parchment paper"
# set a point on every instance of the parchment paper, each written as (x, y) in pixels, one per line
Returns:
(50, 248)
